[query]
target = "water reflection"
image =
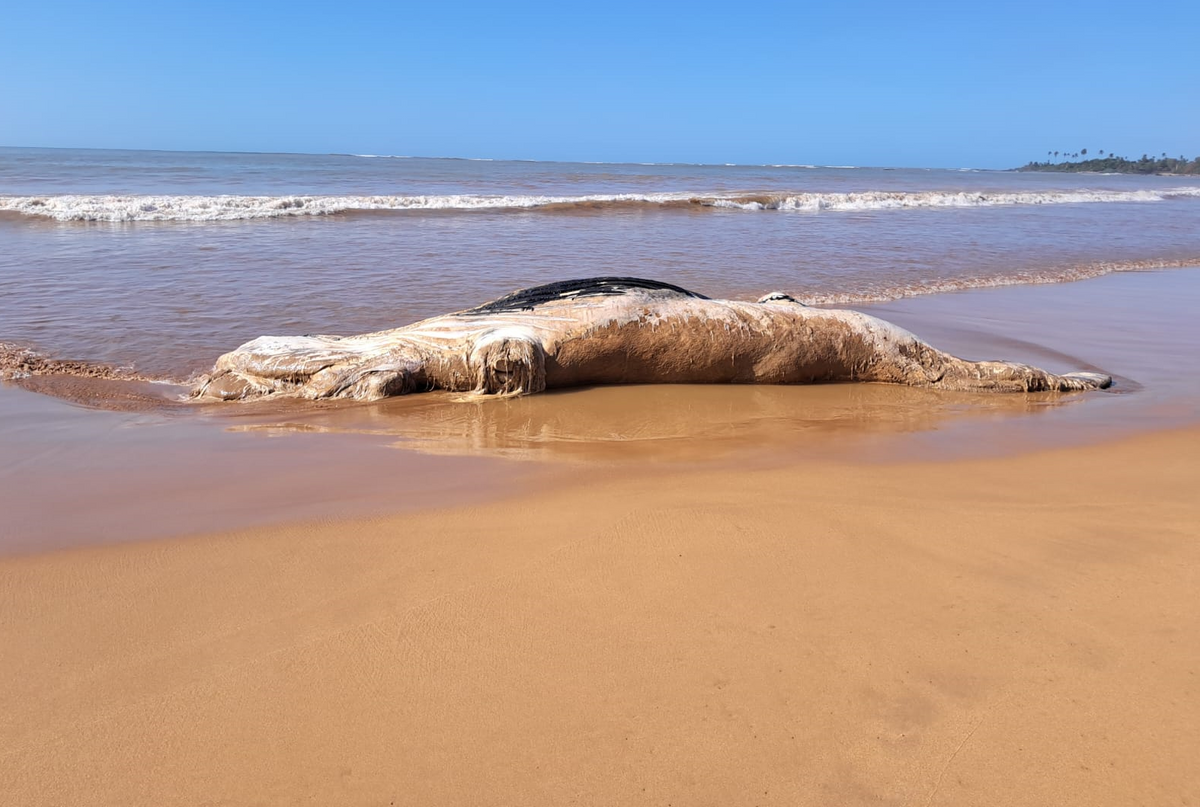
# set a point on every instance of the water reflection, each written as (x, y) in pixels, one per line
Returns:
(655, 423)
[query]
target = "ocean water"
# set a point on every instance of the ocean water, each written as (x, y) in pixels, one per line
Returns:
(163, 260)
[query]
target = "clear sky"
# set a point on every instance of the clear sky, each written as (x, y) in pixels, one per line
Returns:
(980, 84)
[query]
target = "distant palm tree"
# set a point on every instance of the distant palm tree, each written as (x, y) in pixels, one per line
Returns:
(1084, 152)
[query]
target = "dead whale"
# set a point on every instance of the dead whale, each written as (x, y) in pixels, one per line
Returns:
(612, 330)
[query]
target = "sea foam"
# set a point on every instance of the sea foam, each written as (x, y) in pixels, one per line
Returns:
(115, 208)
(1067, 273)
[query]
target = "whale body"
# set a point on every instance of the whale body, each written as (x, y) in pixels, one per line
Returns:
(612, 330)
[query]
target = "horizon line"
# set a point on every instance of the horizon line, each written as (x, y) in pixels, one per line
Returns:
(507, 159)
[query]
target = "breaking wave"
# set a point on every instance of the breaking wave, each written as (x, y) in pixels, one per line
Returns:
(233, 208)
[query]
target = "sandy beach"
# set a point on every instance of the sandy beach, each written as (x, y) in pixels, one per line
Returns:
(669, 404)
(1015, 630)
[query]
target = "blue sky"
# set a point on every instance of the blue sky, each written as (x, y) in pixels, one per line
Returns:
(862, 83)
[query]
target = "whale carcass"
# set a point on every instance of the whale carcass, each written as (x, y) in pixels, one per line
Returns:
(612, 330)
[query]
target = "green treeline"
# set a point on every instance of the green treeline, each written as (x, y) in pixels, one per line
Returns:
(1116, 165)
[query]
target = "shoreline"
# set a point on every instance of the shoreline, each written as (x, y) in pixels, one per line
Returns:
(142, 474)
(1010, 629)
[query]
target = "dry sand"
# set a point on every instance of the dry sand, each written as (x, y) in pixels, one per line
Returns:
(1008, 631)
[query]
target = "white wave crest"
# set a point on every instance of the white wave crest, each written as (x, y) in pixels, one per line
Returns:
(893, 200)
(113, 208)
(232, 208)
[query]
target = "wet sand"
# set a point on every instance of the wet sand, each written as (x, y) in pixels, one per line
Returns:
(1015, 630)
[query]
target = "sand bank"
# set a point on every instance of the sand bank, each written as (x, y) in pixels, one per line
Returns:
(1016, 630)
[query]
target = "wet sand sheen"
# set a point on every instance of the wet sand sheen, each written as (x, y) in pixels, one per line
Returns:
(1010, 631)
